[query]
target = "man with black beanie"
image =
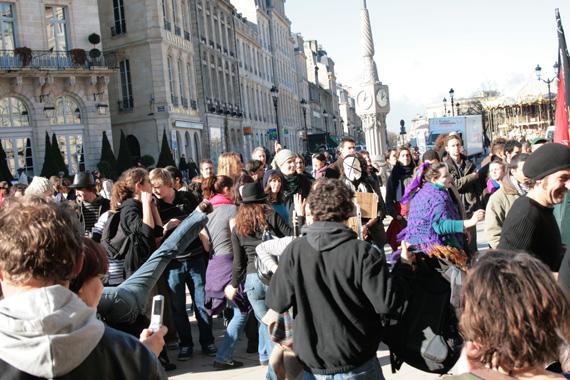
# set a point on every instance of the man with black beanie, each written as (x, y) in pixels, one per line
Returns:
(530, 224)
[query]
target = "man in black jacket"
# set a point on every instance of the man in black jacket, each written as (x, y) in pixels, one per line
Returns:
(340, 288)
(188, 268)
(530, 224)
(46, 331)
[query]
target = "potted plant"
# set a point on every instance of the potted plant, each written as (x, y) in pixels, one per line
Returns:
(25, 55)
(78, 56)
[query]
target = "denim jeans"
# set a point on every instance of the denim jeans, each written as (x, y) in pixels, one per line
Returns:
(124, 303)
(370, 370)
(235, 327)
(190, 272)
(255, 291)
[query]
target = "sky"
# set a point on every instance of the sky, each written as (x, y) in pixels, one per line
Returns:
(425, 47)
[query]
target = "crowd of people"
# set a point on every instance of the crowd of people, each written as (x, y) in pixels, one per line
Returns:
(284, 253)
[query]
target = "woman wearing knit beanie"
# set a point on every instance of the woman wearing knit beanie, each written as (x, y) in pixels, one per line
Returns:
(40, 187)
(293, 183)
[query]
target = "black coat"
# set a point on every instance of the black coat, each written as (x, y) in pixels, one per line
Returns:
(340, 288)
(467, 182)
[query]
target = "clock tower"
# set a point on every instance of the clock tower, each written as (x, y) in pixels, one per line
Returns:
(372, 97)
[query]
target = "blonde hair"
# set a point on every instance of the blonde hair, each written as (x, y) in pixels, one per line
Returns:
(161, 176)
(229, 164)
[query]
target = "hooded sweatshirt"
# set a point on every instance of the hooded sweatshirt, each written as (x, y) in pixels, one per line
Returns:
(340, 288)
(47, 332)
(50, 333)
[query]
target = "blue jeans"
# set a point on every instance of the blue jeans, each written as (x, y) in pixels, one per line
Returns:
(235, 328)
(370, 370)
(124, 303)
(255, 291)
(192, 273)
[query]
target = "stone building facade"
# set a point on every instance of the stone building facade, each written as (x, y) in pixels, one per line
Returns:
(155, 89)
(54, 80)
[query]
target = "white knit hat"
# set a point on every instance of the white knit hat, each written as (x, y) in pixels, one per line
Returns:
(39, 186)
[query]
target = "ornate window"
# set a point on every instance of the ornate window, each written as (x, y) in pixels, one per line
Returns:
(13, 113)
(16, 136)
(66, 124)
(66, 112)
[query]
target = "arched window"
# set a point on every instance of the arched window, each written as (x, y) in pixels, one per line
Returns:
(66, 112)
(66, 124)
(13, 113)
(16, 136)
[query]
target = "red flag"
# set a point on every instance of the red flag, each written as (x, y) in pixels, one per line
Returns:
(563, 94)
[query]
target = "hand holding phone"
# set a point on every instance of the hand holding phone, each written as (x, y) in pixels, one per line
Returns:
(157, 312)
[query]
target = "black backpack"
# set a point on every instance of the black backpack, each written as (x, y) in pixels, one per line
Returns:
(426, 336)
(120, 245)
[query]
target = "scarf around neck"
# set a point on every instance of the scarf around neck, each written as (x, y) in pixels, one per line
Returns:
(291, 185)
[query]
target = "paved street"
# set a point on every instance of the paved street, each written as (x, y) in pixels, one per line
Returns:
(200, 366)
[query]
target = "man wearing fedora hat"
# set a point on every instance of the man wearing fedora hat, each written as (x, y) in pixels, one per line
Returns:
(530, 224)
(90, 204)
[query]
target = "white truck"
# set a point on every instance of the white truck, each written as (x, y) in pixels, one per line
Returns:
(469, 127)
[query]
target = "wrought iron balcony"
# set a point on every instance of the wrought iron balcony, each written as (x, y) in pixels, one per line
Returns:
(56, 60)
(127, 104)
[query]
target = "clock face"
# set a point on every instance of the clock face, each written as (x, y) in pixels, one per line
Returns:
(364, 100)
(382, 97)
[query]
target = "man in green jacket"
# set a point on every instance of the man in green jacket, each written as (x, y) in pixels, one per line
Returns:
(512, 187)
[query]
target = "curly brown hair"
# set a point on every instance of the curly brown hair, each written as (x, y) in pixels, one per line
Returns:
(514, 309)
(250, 218)
(124, 188)
(331, 200)
(39, 240)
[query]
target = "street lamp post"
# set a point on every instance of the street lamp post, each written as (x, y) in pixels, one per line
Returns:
(402, 130)
(451, 93)
(326, 129)
(304, 109)
(275, 95)
(334, 125)
(445, 107)
(548, 81)
(458, 112)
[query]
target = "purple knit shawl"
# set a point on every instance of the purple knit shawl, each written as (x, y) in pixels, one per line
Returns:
(428, 205)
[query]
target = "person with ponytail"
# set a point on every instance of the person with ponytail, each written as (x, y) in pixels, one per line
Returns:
(132, 197)
(219, 192)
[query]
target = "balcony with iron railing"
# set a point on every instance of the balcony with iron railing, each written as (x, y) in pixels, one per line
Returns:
(56, 60)
(127, 104)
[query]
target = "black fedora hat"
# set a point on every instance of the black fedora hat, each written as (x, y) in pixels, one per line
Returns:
(253, 193)
(83, 180)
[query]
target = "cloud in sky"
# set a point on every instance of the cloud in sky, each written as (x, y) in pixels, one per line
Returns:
(423, 48)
